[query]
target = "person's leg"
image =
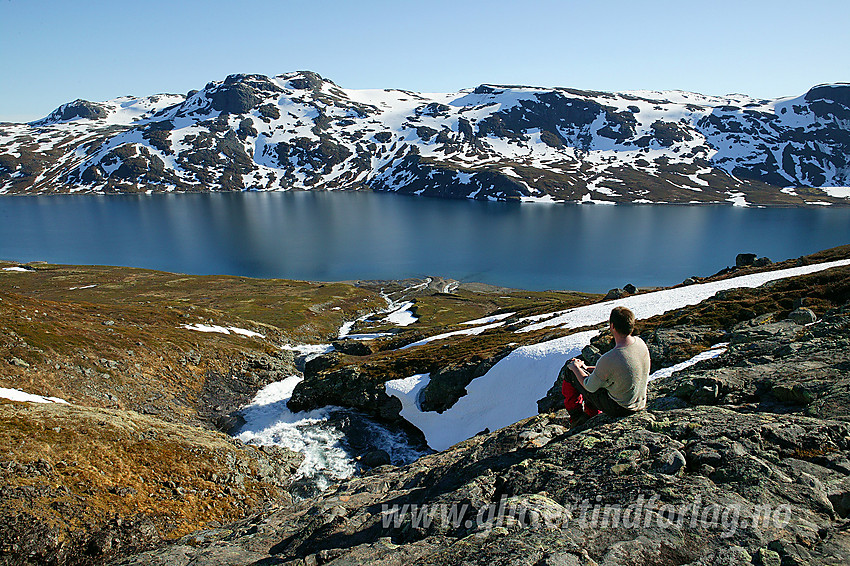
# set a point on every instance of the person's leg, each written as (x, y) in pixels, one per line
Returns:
(598, 401)
(590, 409)
(573, 401)
(572, 398)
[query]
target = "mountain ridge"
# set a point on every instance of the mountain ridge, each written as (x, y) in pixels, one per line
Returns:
(302, 131)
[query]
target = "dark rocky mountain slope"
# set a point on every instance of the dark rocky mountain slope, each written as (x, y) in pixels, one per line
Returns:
(301, 131)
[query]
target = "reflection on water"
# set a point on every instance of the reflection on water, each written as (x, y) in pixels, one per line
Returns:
(343, 236)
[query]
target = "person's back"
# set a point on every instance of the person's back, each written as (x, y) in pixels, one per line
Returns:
(617, 385)
(623, 371)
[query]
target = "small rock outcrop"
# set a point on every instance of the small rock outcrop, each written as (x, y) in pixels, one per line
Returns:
(803, 315)
(745, 260)
(615, 294)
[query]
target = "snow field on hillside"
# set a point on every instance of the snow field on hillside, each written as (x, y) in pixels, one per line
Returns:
(510, 390)
(647, 305)
(21, 396)
(222, 330)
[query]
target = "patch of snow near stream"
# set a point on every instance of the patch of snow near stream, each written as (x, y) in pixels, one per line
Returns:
(402, 316)
(713, 352)
(489, 319)
(467, 332)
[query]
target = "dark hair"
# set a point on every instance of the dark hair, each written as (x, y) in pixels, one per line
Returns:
(623, 320)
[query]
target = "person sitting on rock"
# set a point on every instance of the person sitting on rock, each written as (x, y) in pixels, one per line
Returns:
(616, 386)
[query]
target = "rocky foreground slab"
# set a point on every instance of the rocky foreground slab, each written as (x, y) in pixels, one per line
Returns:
(742, 459)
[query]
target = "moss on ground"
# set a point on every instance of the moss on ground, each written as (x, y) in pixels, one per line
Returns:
(73, 469)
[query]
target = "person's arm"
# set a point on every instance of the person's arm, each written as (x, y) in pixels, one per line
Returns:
(580, 370)
(591, 378)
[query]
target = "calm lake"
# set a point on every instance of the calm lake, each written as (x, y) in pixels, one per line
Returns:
(347, 235)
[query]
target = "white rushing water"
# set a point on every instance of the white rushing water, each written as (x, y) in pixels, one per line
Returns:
(269, 421)
(330, 438)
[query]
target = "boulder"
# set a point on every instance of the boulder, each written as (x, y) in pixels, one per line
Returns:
(803, 315)
(353, 347)
(670, 462)
(321, 363)
(630, 289)
(448, 384)
(745, 260)
(375, 458)
(794, 395)
(614, 294)
(591, 354)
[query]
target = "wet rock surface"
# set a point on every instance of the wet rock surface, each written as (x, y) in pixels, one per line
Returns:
(224, 393)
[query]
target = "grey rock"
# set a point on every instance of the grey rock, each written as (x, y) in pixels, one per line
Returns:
(562, 559)
(375, 458)
(768, 557)
(670, 462)
(448, 384)
(591, 354)
(803, 315)
(706, 391)
(755, 331)
(745, 260)
(353, 347)
(614, 294)
(18, 362)
(839, 497)
(796, 394)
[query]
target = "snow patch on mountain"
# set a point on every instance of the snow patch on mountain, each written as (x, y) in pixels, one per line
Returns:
(531, 144)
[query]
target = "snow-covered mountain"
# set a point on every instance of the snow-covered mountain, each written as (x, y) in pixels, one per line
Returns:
(301, 131)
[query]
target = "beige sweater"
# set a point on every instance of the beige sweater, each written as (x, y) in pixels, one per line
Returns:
(623, 372)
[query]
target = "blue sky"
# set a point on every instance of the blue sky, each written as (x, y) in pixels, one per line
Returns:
(52, 52)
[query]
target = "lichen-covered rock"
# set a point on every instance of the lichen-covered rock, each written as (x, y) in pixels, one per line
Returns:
(777, 365)
(702, 485)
